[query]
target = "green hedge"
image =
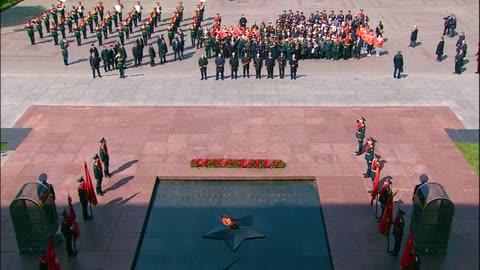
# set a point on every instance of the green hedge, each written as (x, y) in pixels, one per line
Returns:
(5, 4)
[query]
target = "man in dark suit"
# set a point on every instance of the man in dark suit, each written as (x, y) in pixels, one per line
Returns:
(439, 51)
(270, 63)
(413, 37)
(282, 62)
(258, 63)
(398, 64)
(459, 62)
(220, 62)
(234, 65)
(293, 67)
(95, 64)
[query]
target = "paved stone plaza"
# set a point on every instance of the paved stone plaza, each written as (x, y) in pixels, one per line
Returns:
(158, 118)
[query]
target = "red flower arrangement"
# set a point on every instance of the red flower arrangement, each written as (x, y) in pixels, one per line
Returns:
(237, 163)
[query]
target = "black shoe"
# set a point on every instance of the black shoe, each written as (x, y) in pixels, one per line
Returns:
(366, 176)
(358, 153)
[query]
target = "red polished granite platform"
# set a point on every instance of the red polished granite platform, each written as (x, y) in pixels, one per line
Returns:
(316, 143)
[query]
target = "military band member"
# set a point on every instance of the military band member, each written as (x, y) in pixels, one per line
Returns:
(46, 21)
(105, 29)
(193, 35)
(76, 32)
(29, 28)
(83, 28)
(360, 134)
(89, 20)
(246, 64)
(80, 9)
(159, 11)
(53, 13)
(282, 62)
(293, 67)
(82, 196)
(101, 9)
(69, 22)
(108, 18)
(95, 15)
(114, 17)
(126, 30)
(119, 10)
(119, 61)
(38, 26)
(258, 64)
(219, 62)
(138, 8)
(121, 35)
(202, 63)
(98, 31)
(53, 31)
(74, 14)
(61, 27)
(98, 172)
(234, 65)
(64, 45)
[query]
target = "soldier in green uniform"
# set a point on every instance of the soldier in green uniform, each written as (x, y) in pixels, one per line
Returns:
(105, 29)
(74, 13)
(64, 45)
(193, 35)
(29, 28)
(68, 233)
(69, 22)
(208, 50)
(246, 64)
(170, 35)
(98, 172)
(53, 31)
(126, 30)
(109, 22)
(95, 15)
(82, 196)
(360, 135)
(38, 26)
(121, 35)
(233, 65)
(89, 20)
(61, 27)
(83, 28)
(53, 13)
(98, 32)
(100, 8)
(76, 32)
(119, 62)
(369, 154)
(46, 21)
(105, 157)
(202, 63)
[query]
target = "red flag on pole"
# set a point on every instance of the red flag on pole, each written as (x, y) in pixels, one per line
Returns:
(89, 192)
(407, 254)
(52, 261)
(375, 185)
(384, 227)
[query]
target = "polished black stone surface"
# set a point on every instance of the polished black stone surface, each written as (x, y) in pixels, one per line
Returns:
(287, 212)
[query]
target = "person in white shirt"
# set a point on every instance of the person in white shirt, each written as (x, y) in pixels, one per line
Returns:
(139, 8)
(80, 9)
(119, 8)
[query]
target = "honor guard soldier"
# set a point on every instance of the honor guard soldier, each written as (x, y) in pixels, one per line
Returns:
(89, 20)
(61, 27)
(270, 63)
(61, 9)
(376, 166)
(360, 134)
(398, 226)
(74, 14)
(385, 193)
(233, 65)
(202, 63)
(219, 63)
(293, 67)
(108, 18)
(282, 62)
(104, 157)
(82, 196)
(68, 233)
(126, 30)
(121, 35)
(29, 28)
(369, 154)
(105, 29)
(95, 15)
(98, 172)
(69, 22)
(38, 26)
(258, 64)
(83, 28)
(53, 31)
(246, 64)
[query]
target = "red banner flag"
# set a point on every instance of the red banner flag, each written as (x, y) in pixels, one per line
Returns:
(52, 261)
(376, 183)
(407, 258)
(89, 192)
(384, 227)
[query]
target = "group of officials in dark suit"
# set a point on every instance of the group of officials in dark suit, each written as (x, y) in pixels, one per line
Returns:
(258, 63)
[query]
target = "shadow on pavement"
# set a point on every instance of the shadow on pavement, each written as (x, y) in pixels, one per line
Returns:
(124, 166)
(18, 14)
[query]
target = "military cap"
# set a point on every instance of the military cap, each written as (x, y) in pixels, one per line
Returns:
(42, 178)
(95, 156)
(80, 179)
(102, 140)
